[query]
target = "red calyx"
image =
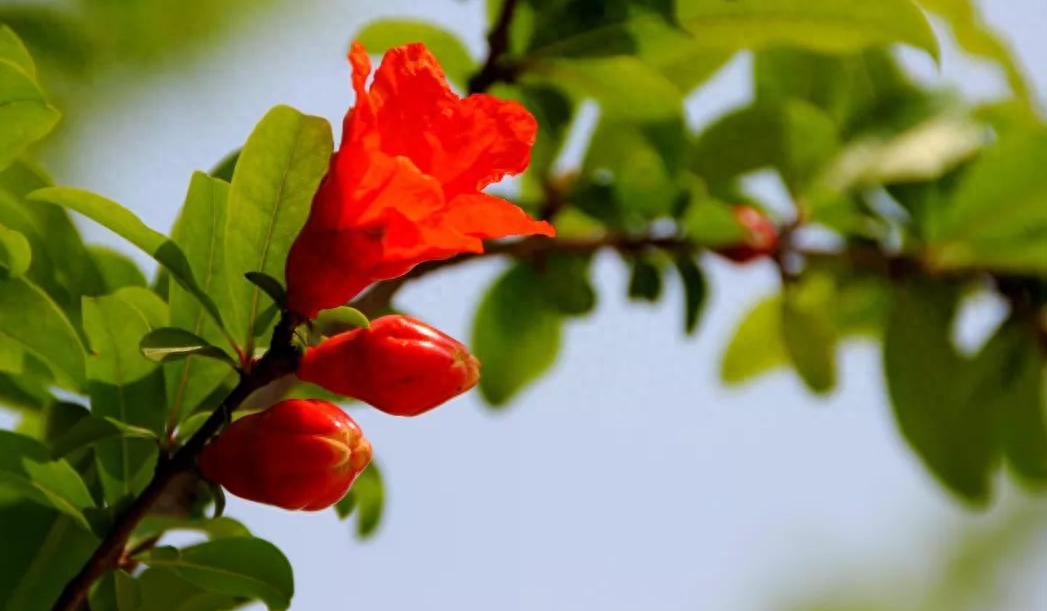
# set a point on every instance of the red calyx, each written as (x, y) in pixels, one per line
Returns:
(761, 236)
(298, 454)
(399, 365)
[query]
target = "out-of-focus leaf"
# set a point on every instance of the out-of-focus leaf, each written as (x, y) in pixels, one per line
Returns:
(808, 332)
(167, 344)
(217, 528)
(695, 291)
(269, 285)
(516, 334)
(12, 50)
(233, 566)
(31, 319)
(125, 224)
(226, 167)
(645, 280)
(710, 223)
(367, 499)
(200, 231)
(115, 591)
(974, 36)
(1010, 372)
(117, 269)
(998, 216)
(380, 36)
(565, 282)
(126, 386)
(15, 253)
(794, 138)
(167, 591)
(25, 115)
(757, 345)
(43, 550)
(276, 177)
(931, 386)
(27, 470)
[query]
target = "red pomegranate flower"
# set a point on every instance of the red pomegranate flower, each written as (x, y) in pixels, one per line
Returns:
(405, 186)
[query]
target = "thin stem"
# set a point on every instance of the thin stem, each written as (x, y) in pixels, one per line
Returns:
(280, 360)
(494, 70)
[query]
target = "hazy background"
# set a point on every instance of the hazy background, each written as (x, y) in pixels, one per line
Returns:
(627, 479)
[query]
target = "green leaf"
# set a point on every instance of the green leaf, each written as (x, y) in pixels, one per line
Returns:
(824, 25)
(216, 528)
(27, 470)
(125, 386)
(809, 334)
(32, 320)
(757, 345)
(339, 320)
(276, 177)
(565, 283)
(794, 138)
(12, 50)
(43, 550)
(170, 344)
(15, 253)
(516, 334)
(998, 215)
(930, 387)
(709, 222)
(645, 280)
(115, 591)
(167, 591)
(226, 167)
(367, 499)
(124, 223)
(25, 115)
(381, 35)
(235, 566)
(695, 291)
(92, 429)
(1010, 374)
(271, 286)
(117, 269)
(200, 231)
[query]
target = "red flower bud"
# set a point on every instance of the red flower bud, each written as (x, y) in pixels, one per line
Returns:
(406, 185)
(399, 365)
(761, 236)
(298, 454)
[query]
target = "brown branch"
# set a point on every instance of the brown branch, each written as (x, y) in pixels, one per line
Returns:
(280, 360)
(494, 70)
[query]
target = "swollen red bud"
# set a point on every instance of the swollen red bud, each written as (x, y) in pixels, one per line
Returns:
(298, 454)
(399, 365)
(761, 236)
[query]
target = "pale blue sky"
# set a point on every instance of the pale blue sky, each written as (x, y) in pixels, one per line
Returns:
(628, 478)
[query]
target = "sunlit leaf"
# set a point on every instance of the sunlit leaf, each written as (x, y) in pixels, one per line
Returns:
(31, 319)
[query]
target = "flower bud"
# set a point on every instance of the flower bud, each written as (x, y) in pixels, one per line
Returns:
(399, 365)
(298, 454)
(761, 236)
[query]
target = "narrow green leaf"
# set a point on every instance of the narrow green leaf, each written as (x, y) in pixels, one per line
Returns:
(15, 253)
(339, 320)
(233, 566)
(226, 167)
(566, 284)
(169, 344)
(200, 231)
(930, 387)
(26, 468)
(125, 386)
(367, 499)
(645, 280)
(91, 430)
(32, 320)
(695, 291)
(276, 177)
(381, 35)
(124, 223)
(516, 334)
(271, 286)
(216, 528)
